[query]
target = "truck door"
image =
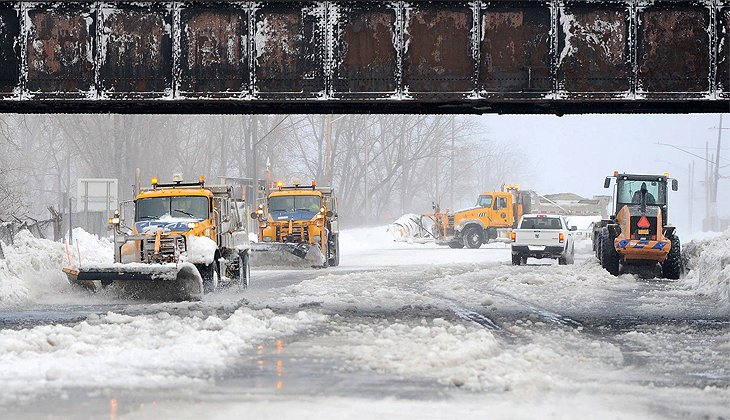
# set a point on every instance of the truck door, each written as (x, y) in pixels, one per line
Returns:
(502, 210)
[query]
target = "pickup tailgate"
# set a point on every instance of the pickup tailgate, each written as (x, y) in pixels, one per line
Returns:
(537, 237)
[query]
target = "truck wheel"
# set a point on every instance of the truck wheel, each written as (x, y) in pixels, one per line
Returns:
(472, 237)
(516, 259)
(334, 261)
(672, 266)
(243, 272)
(491, 234)
(210, 275)
(609, 255)
(456, 245)
(568, 258)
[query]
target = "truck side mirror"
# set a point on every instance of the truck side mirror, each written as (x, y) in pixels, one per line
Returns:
(607, 182)
(675, 185)
(254, 215)
(329, 213)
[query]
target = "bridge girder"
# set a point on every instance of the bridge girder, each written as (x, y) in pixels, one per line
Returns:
(503, 56)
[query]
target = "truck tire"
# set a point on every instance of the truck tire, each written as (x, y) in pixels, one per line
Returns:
(492, 234)
(456, 245)
(472, 237)
(672, 266)
(210, 275)
(334, 245)
(609, 255)
(243, 271)
(516, 259)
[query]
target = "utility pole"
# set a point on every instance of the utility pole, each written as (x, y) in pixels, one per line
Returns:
(705, 226)
(716, 179)
(367, 192)
(452, 163)
(690, 192)
(327, 151)
(252, 126)
(712, 178)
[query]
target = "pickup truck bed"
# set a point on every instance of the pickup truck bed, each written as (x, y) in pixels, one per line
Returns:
(542, 236)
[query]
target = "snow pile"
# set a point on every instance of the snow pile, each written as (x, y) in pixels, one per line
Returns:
(136, 352)
(201, 250)
(32, 266)
(708, 265)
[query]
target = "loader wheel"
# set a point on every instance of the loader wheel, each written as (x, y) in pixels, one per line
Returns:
(472, 237)
(672, 266)
(609, 255)
(456, 245)
(598, 241)
(210, 275)
(334, 261)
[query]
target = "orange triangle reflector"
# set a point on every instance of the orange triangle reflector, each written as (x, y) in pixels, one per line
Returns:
(643, 222)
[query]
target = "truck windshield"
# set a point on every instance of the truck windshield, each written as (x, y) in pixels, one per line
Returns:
(295, 203)
(484, 201)
(540, 223)
(186, 207)
(629, 192)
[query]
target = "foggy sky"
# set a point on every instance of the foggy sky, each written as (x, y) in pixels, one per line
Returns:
(575, 153)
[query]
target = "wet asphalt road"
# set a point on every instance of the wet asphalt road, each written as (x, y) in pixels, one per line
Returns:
(696, 333)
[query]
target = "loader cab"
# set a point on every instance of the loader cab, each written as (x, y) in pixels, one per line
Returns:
(628, 187)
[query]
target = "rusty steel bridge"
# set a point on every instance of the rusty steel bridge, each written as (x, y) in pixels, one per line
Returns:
(532, 56)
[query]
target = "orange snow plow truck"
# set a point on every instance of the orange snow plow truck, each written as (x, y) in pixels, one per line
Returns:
(492, 218)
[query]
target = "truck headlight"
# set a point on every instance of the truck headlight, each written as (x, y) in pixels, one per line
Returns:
(192, 225)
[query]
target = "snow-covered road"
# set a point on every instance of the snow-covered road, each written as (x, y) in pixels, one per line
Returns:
(397, 330)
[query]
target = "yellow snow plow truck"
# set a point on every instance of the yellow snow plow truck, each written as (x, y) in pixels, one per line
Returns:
(298, 227)
(637, 237)
(185, 240)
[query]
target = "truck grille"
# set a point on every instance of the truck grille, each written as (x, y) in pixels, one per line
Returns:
(298, 234)
(170, 248)
(450, 220)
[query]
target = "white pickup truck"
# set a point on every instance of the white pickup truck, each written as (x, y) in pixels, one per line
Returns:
(543, 236)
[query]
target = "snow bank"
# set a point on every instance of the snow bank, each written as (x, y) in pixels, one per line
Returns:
(708, 262)
(135, 352)
(32, 266)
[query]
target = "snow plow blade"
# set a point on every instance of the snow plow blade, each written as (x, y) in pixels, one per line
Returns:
(166, 281)
(286, 255)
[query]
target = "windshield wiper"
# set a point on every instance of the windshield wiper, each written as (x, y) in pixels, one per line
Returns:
(145, 217)
(184, 212)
